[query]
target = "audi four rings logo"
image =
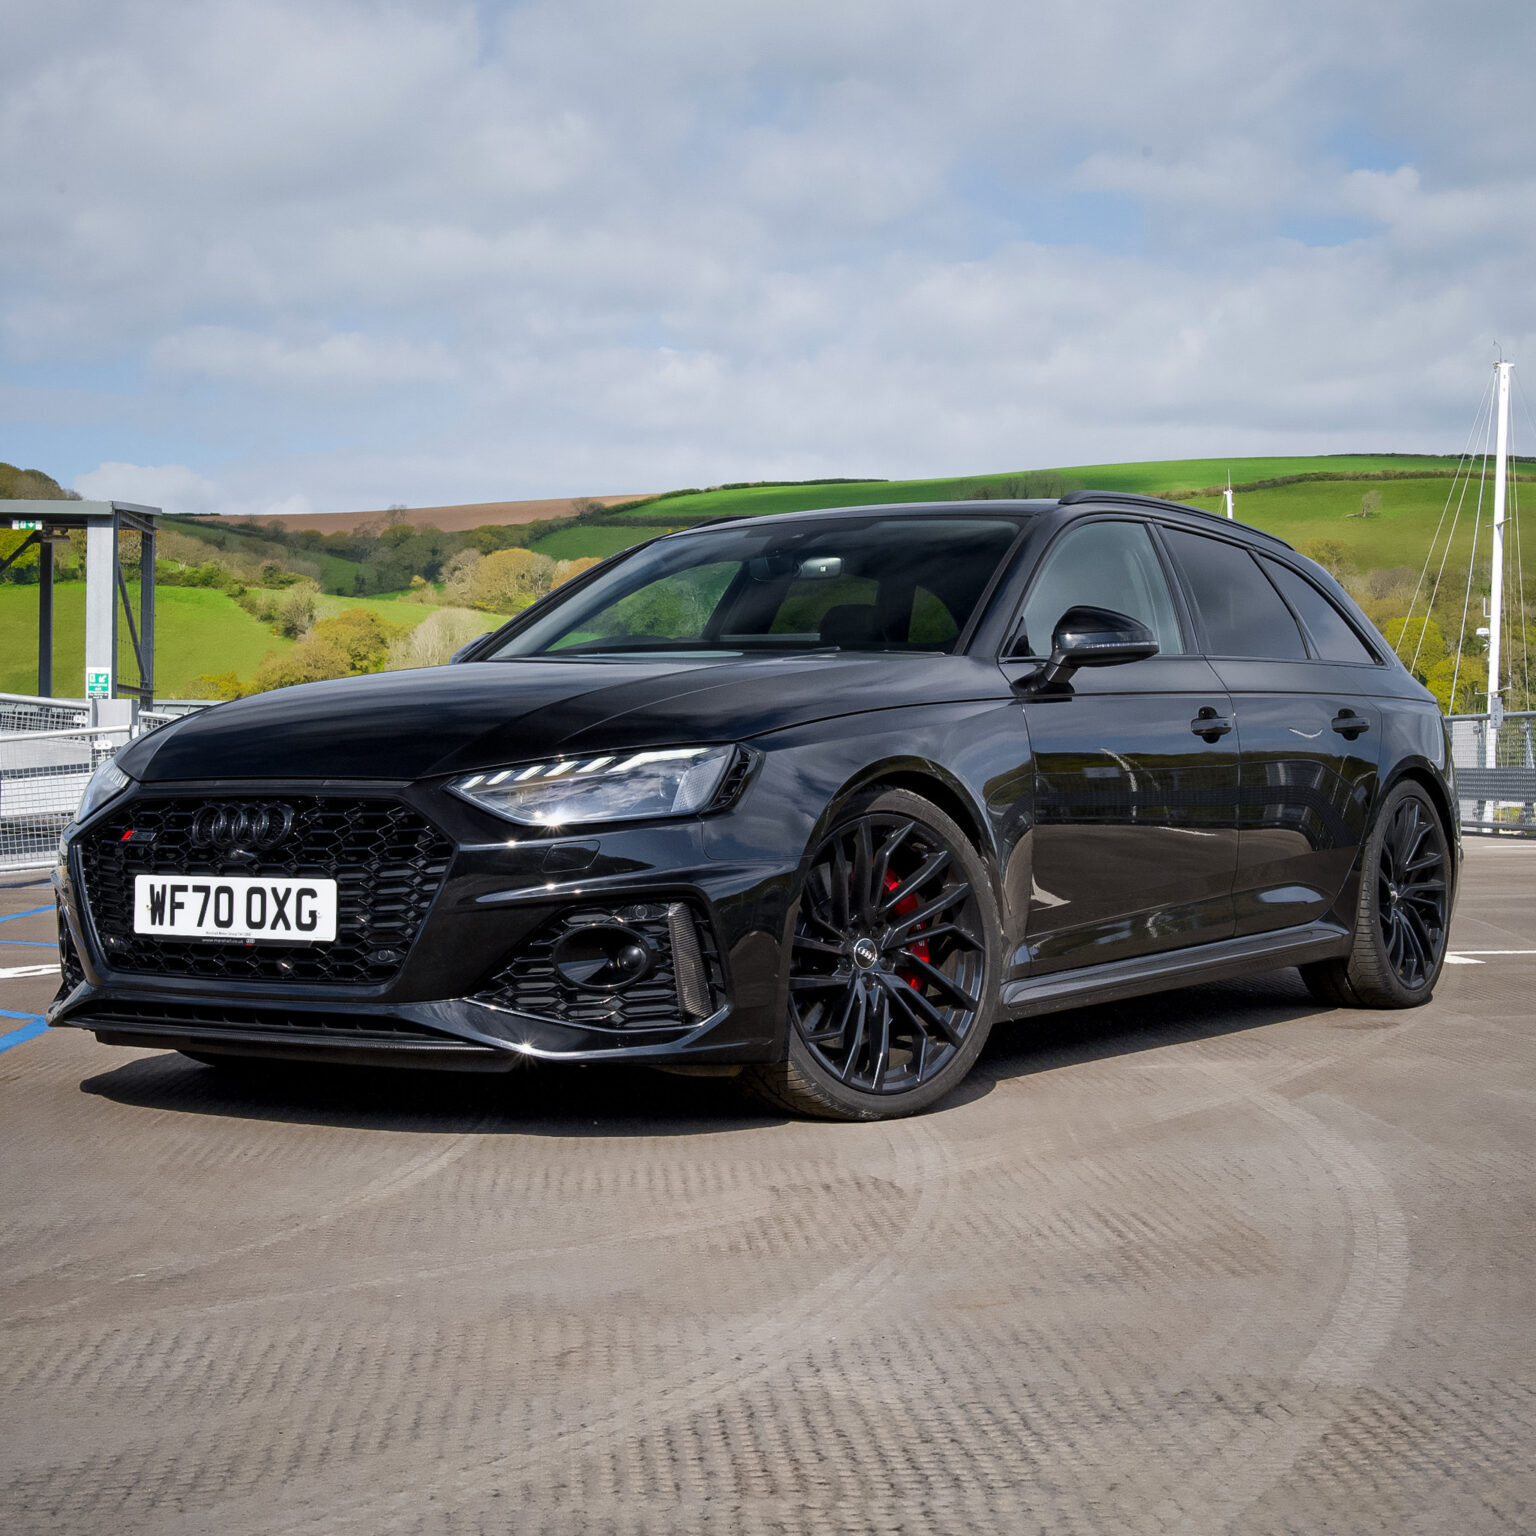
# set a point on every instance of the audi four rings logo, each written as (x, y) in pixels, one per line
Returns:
(242, 826)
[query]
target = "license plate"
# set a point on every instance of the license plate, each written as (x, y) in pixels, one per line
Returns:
(234, 907)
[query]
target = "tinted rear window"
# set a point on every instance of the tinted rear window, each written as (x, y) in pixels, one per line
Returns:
(1243, 614)
(1333, 636)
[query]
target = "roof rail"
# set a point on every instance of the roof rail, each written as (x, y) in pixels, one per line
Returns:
(1132, 499)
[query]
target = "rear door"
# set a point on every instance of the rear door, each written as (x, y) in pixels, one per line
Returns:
(1134, 840)
(1300, 680)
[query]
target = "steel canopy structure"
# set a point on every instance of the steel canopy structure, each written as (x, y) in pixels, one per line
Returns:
(107, 598)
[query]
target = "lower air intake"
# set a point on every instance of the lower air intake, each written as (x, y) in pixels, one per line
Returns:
(680, 983)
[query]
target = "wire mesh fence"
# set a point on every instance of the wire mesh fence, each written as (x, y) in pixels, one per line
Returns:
(48, 751)
(26, 712)
(43, 774)
(1495, 772)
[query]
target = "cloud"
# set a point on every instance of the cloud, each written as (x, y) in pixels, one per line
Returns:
(351, 359)
(171, 487)
(358, 254)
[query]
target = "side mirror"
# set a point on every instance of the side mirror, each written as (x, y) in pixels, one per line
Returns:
(464, 650)
(1090, 637)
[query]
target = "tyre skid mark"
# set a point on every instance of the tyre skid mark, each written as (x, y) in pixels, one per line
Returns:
(754, 1349)
(384, 1187)
(1233, 1476)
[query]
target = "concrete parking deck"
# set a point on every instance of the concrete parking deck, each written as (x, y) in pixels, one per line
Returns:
(1223, 1260)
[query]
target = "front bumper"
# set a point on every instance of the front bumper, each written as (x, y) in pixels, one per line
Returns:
(502, 888)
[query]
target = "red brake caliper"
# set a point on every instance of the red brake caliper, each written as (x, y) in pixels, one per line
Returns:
(920, 948)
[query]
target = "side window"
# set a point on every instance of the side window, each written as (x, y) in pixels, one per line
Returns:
(1243, 614)
(1333, 636)
(931, 621)
(1108, 565)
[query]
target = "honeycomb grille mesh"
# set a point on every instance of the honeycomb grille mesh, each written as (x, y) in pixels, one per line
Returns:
(530, 983)
(388, 863)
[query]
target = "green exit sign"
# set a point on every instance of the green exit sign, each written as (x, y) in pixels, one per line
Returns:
(98, 683)
(25, 522)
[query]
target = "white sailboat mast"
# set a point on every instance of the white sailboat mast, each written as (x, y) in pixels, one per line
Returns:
(1496, 595)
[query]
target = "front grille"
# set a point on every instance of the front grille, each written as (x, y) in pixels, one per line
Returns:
(202, 1018)
(71, 973)
(686, 981)
(387, 860)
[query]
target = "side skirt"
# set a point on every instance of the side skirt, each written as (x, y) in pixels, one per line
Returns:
(1222, 960)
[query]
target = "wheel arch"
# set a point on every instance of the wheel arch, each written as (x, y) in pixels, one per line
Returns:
(1424, 773)
(917, 776)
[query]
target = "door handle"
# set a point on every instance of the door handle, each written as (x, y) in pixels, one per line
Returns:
(1209, 724)
(1349, 725)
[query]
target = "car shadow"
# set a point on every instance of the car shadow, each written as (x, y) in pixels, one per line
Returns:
(627, 1101)
(1052, 1041)
(533, 1099)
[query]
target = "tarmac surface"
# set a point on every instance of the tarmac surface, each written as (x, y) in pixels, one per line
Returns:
(1220, 1260)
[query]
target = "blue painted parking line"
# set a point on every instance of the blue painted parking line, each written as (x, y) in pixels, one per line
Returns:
(31, 943)
(35, 1024)
(10, 917)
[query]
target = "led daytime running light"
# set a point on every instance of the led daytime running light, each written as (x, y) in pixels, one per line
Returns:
(673, 781)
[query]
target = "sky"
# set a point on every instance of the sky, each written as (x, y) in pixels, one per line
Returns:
(267, 256)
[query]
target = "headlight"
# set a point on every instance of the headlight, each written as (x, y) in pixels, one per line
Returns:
(617, 787)
(107, 783)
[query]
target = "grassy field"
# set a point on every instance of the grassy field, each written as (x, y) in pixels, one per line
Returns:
(387, 605)
(333, 570)
(579, 542)
(1171, 477)
(196, 630)
(1398, 535)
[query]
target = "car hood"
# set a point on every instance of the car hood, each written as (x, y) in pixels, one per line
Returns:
(412, 725)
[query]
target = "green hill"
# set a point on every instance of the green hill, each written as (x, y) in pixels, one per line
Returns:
(333, 572)
(196, 630)
(1300, 511)
(1169, 477)
(1305, 500)
(1400, 532)
(598, 539)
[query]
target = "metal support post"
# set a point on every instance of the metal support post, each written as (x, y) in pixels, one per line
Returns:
(147, 613)
(100, 613)
(45, 618)
(1496, 591)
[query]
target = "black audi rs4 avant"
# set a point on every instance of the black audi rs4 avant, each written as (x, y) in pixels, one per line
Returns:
(815, 799)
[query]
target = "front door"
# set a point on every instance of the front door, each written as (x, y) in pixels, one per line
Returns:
(1133, 845)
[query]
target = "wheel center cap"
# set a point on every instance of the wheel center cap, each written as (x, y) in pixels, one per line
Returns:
(866, 953)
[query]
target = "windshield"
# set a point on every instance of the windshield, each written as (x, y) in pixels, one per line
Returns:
(867, 584)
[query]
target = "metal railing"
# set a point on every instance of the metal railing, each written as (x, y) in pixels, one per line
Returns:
(1500, 798)
(49, 749)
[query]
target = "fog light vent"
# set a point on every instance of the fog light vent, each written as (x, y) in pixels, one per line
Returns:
(601, 957)
(577, 968)
(688, 963)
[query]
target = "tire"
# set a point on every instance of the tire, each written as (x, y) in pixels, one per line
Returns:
(1403, 915)
(893, 966)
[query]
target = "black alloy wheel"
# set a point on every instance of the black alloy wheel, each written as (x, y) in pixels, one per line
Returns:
(1411, 893)
(1404, 911)
(891, 967)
